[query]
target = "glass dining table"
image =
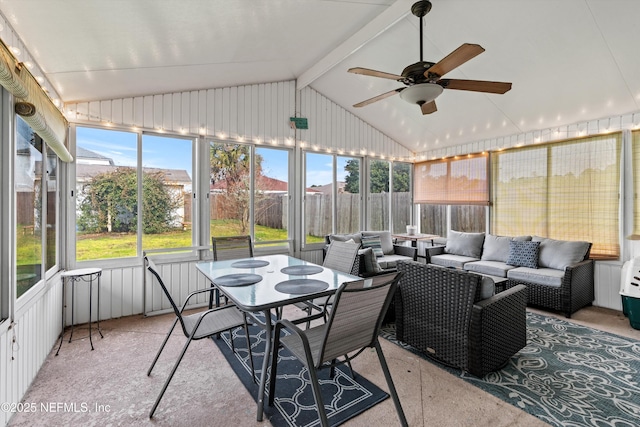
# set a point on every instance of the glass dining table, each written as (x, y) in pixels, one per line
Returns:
(265, 283)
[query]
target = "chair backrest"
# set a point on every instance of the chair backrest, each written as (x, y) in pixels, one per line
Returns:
(151, 266)
(341, 256)
(231, 247)
(356, 317)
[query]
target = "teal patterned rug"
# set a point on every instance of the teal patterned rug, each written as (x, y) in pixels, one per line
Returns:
(567, 375)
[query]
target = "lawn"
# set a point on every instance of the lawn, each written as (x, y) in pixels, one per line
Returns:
(114, 245)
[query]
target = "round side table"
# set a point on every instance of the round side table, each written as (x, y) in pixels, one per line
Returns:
(87, 275)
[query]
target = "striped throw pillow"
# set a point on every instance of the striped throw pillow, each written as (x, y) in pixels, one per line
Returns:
(373, 242)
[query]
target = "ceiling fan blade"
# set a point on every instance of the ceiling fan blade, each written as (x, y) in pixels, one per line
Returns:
(455, 59)
(476, 85)
(429, 107)
(374, 73)
(379, 97)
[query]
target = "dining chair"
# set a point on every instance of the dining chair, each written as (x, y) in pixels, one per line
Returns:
(353, 326)
(340, 256)
(229, 247)
(203, 324)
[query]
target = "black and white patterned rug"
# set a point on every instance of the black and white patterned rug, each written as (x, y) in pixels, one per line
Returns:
(294, 405)
(567, 375)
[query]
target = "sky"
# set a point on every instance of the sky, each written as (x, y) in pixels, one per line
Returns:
(170, 152)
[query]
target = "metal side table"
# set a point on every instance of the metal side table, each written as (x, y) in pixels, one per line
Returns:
(87, 275)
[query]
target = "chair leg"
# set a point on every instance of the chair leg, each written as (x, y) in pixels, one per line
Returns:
(173, 371)
(392, 388)
(175, 322)
(315, 385)
(274, 365)
(246, 331)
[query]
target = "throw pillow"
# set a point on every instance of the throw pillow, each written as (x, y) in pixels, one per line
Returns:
(523, 254)
(373, 242)
(370, 262)
(465, 244)
(559, 254)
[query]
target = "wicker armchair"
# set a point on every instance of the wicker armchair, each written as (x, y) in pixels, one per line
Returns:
(439, 312)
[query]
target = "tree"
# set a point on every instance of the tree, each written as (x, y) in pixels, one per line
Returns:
(379, 176)
(231, 167)
(109, 203)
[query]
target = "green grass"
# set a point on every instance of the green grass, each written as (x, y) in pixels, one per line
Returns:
(114, 245)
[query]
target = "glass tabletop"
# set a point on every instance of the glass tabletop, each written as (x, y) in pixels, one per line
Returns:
(263, 295)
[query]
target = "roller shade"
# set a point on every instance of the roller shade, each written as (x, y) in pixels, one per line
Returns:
(33, 105)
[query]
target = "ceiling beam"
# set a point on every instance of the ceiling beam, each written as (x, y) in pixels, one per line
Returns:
(374, 28)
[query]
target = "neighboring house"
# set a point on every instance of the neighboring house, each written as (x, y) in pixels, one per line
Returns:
(327, 189)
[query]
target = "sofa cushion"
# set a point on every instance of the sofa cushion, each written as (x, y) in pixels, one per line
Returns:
(496, 248)
(465, 244)
(373, 242)
(540, 276)
(523, 254)
(492, 268)
(385, 240)
(345, 237)
(559, 254)
(369, 260)
(449, 260)
(487, 287)
(389, 261)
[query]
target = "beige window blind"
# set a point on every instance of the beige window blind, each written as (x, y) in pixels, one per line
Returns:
(635, 149)
(460, 180)
(567, 190)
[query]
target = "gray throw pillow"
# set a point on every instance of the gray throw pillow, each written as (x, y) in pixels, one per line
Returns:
(523, 254)
(373, 242)
(465, 244)
(344, 237)
(370, 262)
(559, 254)
(496, 248)
(386, 243)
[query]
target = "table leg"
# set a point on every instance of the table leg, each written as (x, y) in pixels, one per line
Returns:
(265, 363)
(90, 304)
(73, 306)
(98, 319)
(64, 306)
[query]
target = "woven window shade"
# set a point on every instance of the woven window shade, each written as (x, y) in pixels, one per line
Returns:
(567, 191)
(453, 181)
(33, 105)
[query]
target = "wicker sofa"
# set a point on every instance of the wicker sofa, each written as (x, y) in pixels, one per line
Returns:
(558, 275)
(444, 313)
(367, 263)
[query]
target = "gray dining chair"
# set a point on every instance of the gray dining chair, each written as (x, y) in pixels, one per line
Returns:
(203, 324)
(225, 248)
(353, 326)
(340, 256)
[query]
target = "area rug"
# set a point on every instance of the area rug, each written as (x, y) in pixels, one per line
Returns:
(567, 375)
(294, 405)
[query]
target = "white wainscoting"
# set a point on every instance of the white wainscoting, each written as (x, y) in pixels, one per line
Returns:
(607, 284)
(24, 347)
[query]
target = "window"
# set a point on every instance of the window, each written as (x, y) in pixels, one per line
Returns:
(166, 192)
(36, 190)
(271, 195)
(452, 194)
(106, 193)
(378, 195)
(249, 191)
(401, 204)
(330, 178)
(566, 191)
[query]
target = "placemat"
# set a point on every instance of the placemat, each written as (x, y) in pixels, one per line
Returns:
(301, 286)
(237, 279)
(250, 263)
(302, 269)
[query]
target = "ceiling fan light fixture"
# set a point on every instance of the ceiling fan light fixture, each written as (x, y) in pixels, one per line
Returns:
(421, 93)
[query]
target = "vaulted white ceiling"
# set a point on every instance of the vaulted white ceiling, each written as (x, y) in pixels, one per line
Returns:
(569, 60)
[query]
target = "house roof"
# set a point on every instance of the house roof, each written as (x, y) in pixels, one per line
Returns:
(569, 61)
(171, 176)
(264, 183)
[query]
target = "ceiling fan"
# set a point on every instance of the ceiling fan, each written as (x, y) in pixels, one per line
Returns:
(423, 80)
